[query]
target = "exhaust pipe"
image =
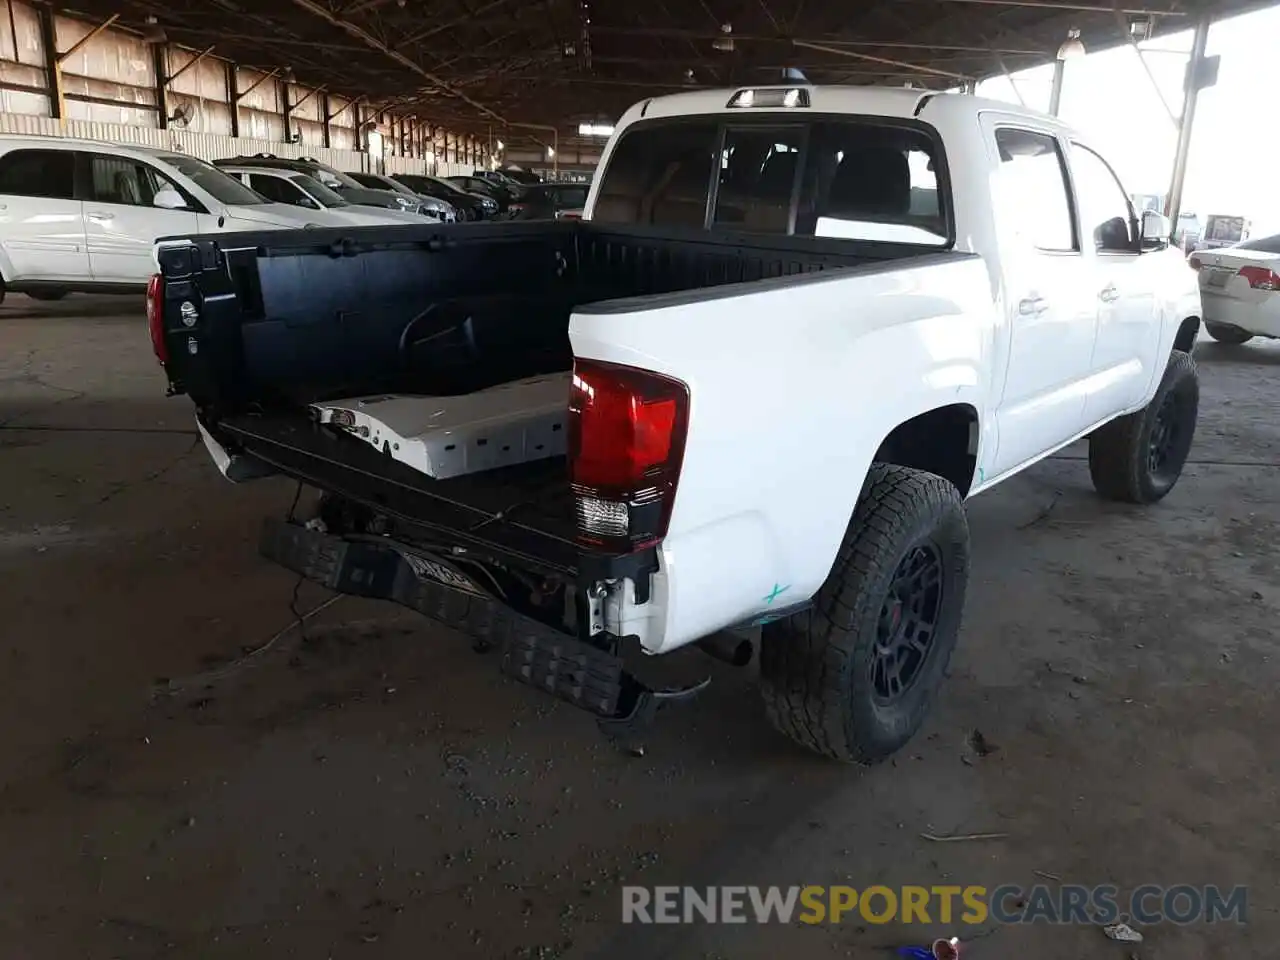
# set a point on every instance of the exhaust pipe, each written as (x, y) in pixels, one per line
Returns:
(729, 648)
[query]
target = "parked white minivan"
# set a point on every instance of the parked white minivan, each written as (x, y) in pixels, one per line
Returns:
(83, 215)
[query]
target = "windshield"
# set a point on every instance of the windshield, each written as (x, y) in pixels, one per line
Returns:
(223, 188)
(327, 197)
(386, 183)
(375, 182)
(852, 179)
(452, 188)
(330, 177)
(482, 187)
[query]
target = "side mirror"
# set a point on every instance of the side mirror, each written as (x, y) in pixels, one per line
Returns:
(1156, 230)
(167, 198)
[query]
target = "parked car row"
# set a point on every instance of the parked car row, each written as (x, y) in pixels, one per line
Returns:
(83, 215)
(378, 195)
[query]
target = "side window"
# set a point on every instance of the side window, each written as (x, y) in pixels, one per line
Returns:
(758, 168)
(123, 181)
(659, 175)
(1034, 197)
(869, 182)
(1105, 213)
(38, 173)
(277, 189)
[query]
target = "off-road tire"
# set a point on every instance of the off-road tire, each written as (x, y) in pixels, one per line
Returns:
(1232, 335)
(1120, 460)
(816, 665)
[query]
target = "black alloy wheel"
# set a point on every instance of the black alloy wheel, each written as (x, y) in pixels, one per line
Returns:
(908, 621)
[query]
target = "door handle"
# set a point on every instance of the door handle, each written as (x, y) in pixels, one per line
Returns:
(102, 216)
(1032, 306)
(1109, 293)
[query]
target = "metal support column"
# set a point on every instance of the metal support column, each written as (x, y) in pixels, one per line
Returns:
(1055, 92)
(52, 68)
(160, 66)
(1195, 76)
(286, 109)
(233, 99)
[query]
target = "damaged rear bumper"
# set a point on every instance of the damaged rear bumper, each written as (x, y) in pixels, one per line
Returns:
(587, 675)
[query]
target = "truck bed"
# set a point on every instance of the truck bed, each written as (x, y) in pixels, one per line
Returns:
(288, 318)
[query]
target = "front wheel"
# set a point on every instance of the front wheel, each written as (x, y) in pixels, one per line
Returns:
(1138, 458)
(853, 676)
(1233, 335)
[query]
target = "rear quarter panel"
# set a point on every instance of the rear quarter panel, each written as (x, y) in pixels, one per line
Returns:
(794, 383)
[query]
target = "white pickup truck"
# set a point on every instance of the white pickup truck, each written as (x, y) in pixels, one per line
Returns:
(797, 327)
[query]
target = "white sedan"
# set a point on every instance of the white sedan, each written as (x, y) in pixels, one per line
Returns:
(1240, 290)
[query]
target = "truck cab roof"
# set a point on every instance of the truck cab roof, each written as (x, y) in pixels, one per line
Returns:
(850, 100)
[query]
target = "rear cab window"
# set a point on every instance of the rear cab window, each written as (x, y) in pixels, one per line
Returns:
(869, 178)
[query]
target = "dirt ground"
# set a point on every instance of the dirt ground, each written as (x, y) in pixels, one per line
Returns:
(376, 789)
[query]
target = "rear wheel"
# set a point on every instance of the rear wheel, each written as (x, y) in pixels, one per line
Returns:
(1227, 334)
(853, 676)
(1139, 458)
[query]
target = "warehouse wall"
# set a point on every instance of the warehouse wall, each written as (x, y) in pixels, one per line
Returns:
(111, 90)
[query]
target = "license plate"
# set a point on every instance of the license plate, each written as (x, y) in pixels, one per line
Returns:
(427, 569)
(1217, 278)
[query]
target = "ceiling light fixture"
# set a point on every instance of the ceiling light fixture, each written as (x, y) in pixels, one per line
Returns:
(1072, 48)
(154, 33)
(724, 43)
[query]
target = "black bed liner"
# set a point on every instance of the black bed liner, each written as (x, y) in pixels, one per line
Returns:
(521, 514)
(292, 317)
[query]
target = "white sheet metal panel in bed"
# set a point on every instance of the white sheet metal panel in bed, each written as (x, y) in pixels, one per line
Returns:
(446, 437)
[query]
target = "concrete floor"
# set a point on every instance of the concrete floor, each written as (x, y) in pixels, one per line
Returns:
(379, 791)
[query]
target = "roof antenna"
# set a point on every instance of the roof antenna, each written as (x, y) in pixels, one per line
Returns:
(794, 74)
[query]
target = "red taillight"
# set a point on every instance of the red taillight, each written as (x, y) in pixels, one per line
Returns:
(1261, 278)
(155, 317)
(1195, 262)
(626, 441)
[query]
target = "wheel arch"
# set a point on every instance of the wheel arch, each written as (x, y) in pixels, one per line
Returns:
(943, 441)
(1185, 338)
